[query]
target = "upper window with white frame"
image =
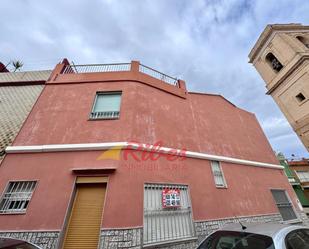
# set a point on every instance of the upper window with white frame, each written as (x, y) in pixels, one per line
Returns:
(106, 105)
(16, 197)
(284, 204)
(218, 174)
(167, 213)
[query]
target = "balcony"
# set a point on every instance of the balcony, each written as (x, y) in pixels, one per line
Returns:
(66, 73)
(119, 67)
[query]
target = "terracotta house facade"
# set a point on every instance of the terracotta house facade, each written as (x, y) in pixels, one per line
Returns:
(123, 156)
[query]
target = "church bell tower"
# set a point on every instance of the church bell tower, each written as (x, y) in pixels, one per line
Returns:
(281, 56)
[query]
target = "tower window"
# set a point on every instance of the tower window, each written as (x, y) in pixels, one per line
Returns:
(300, 97)
(274, 62)
(303, 40)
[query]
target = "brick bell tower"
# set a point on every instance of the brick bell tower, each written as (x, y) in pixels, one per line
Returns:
(281, 56)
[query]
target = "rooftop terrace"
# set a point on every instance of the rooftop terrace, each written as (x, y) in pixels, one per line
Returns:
(118, 67)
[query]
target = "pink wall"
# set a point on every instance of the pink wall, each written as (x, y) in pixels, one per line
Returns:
(248, 191)
(203, 123)
(198, 122)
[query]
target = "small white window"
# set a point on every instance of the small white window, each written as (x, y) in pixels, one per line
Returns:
(218, 174)
(106, 105)
(167, 213)
(16, 197)
(284, 204)
(303, 176)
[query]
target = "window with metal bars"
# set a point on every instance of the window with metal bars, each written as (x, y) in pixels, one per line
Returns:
(16, 197)
(162, 223)
(218, 174)
(106, 105)
(284, 204)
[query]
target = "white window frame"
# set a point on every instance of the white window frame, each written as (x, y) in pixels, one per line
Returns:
(23, 197)
(221, 174)
(163, 225)
(108, 114)
(290, 204)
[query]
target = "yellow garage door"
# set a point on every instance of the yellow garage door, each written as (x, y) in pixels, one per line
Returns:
(85, 221)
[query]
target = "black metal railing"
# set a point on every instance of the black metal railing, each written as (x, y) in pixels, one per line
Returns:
(95, 68)
(104, 115)
(158, 75)
(119, 67)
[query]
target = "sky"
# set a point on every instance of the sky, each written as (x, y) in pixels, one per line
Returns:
(205, 43)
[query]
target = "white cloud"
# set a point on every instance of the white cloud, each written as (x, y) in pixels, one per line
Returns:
(205, 42)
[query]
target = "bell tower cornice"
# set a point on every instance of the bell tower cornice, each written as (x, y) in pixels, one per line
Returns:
(269, 31)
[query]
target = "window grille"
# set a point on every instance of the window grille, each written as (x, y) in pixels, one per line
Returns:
(163, 224)
(96, 68)
(17, 197)
(284, 205)
(106, 106)
(218, 174)
(303, 176)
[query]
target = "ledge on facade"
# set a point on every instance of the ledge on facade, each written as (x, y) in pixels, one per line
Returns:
(87, 171)
(136, 146)
(267, 33)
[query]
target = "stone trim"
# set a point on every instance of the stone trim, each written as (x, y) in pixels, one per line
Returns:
(45, 240)
(121, 238)
(204, 228)
(304, 218)
(131, 238)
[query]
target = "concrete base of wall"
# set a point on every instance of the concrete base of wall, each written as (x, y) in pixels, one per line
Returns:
(204, 228)
(111, 239)
(304, 217)
(133, 238)
(121, 238)
(45, 240)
